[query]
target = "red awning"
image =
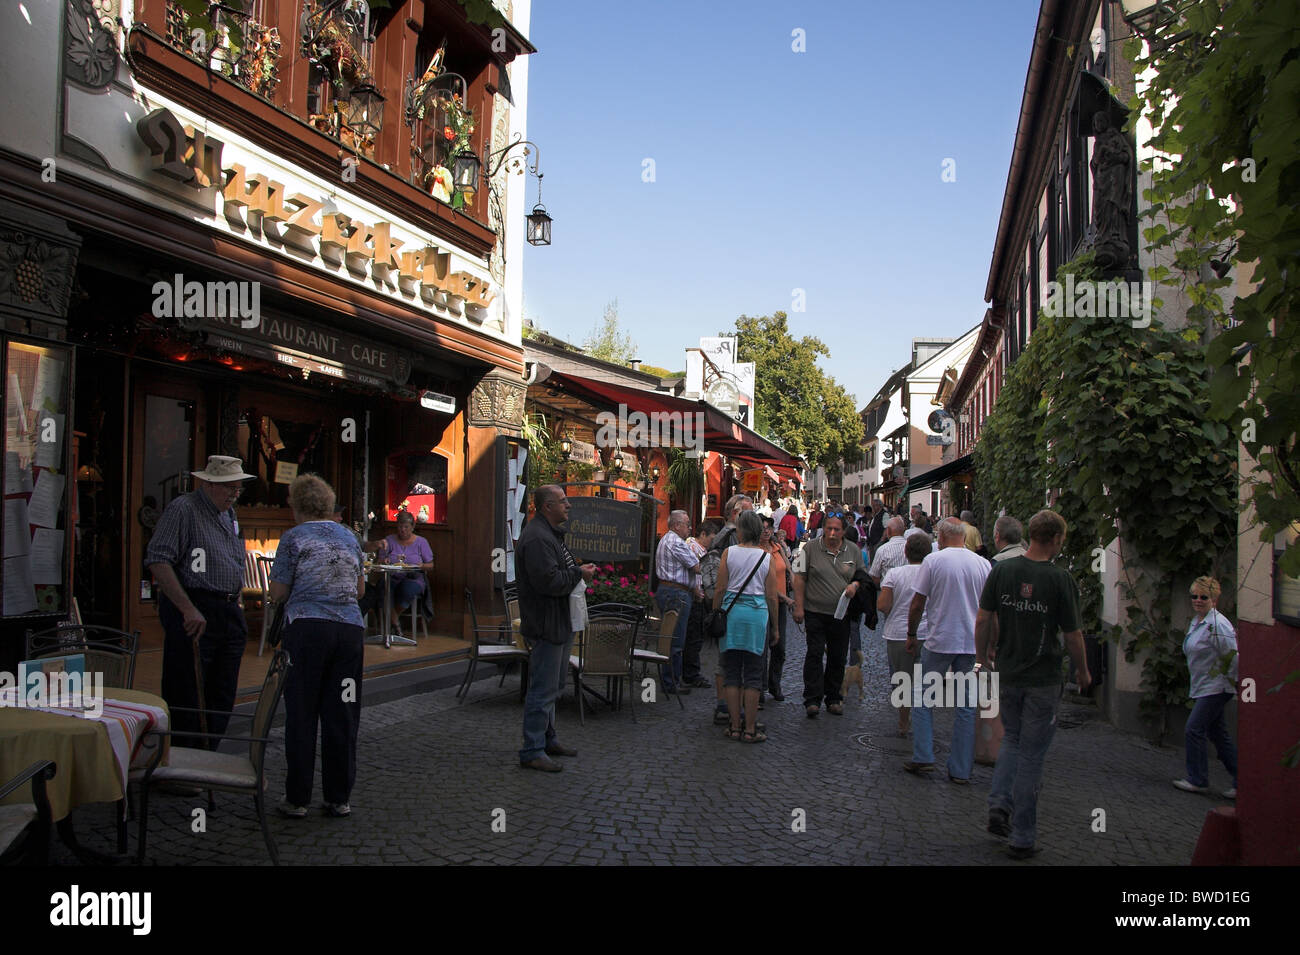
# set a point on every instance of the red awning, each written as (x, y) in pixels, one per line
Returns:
(721, 433)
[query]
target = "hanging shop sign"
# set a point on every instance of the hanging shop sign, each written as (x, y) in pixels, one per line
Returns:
(306, 223)
(603, 529)
(583, 452)
(751, 482)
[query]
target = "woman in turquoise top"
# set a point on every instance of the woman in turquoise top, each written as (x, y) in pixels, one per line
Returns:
(1209, 642)
(751, 618)
(317, 570)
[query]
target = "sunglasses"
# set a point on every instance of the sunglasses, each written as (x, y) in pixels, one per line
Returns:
(1199, 596)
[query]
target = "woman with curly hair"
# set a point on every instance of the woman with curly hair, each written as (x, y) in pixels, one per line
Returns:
(317, 570)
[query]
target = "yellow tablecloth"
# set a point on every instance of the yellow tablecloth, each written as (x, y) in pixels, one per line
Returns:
(87, 771)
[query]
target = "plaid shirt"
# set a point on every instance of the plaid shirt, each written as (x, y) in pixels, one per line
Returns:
(674, 560)
(192, 522)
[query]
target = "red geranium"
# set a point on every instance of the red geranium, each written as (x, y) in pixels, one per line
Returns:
(448, 133)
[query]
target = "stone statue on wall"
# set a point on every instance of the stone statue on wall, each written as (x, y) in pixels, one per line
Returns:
(1112, 193)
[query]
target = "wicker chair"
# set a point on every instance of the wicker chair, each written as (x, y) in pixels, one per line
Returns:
(25, 828)
(663, 648)
(107, 650)
(490, 651)
(605, 649)
(224, 772)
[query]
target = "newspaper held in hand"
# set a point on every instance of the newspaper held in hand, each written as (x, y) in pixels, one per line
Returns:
(842, 607)
(578, 607)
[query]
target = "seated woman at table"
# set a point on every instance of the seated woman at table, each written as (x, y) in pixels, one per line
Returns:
(405, 547)
(317, 570)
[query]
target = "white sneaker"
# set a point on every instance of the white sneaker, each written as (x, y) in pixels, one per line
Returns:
(1187, 787)
(1230, 793)
(338, 809)
(293, 812)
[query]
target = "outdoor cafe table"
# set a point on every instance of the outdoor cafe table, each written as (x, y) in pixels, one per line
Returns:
(388, 637)
(87, 762)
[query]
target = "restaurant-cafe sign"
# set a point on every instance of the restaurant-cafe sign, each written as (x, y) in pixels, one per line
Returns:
(189, 156)
(602, 529)
(312, 348)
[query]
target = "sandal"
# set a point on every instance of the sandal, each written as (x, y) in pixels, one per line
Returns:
(732, 733)
(755, 737)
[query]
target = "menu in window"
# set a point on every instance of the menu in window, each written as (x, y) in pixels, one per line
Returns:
(35, 483)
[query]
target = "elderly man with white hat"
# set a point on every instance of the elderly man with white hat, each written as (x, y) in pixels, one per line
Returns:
(196, 555)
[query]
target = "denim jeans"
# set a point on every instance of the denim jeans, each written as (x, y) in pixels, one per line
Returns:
(1207, 720)
(406, 591)
(548, 667)
(961, 758)
(1029, 723)
(694, 643)
(855, 634)
(776, 652)
(673, 598)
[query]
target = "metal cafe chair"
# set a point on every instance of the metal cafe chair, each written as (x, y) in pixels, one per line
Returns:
(662, 652)
(25, 828)
(107, 650)
(488, 651)
(224, 772)
(262, 563)
(605, 649)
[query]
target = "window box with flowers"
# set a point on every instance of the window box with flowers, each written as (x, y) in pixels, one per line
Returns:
(619, 585)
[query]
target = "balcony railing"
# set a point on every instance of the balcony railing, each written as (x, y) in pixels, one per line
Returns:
(241, 48)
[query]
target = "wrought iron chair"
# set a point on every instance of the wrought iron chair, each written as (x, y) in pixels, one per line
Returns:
(107, 650)
(224, 772)
(25, 827)
(663, 648)
(605, 649)
(262, 564)
(490, 651)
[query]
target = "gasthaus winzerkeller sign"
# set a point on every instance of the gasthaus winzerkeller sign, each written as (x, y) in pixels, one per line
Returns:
(601, 529)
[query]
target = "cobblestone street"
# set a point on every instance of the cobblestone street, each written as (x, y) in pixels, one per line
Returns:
(669, 789)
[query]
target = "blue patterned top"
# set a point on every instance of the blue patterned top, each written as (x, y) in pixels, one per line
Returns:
(320, 562)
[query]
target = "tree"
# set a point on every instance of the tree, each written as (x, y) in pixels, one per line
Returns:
(812, 415)
(607, 342)
(1226, 191)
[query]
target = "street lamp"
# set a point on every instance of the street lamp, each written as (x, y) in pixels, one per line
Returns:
(566, 446)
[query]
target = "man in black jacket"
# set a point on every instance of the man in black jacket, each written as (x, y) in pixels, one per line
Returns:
(547, 574)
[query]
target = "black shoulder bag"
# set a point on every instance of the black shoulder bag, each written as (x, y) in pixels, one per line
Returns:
(717, 622)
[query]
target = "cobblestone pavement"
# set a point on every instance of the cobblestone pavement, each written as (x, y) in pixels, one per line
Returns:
(669, 789)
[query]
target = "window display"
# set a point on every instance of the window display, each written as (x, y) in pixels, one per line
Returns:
(35, 479)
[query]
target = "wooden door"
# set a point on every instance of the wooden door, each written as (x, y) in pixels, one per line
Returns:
(168, 441)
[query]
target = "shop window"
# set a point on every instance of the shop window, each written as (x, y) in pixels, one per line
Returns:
(277, 449)
(35, 479)
(416, 481)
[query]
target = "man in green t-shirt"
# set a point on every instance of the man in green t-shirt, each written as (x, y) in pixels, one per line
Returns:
(1027, 601)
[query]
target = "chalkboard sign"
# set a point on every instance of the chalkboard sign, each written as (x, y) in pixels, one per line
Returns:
(600, 529)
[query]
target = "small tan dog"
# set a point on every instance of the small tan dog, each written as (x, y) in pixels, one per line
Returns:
(852, 675)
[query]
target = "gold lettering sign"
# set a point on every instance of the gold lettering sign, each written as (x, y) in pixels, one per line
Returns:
(190, 156)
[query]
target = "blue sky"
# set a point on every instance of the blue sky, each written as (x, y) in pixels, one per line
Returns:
(773, 170)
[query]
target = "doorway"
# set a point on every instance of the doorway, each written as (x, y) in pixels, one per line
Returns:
(167, 438)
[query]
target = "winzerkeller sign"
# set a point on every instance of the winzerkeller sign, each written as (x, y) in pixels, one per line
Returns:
(601, 529)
